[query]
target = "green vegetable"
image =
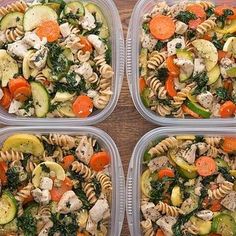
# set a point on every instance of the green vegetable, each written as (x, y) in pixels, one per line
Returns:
(97, 187)
(27, 223)
(45, 168)
(186, 16)
(108, 54)
(162, 74)
(160, 45)
(191, 34)
(156, 194)
(198, 109)
(226, 174)
(13, 177)
(218, 44)
(210, 11)
(145, 97)
(49, 148)
(223, 93)
(221, 20)
(201, 79)
(145, 27)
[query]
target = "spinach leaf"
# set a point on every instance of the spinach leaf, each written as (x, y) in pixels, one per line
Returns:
(199, 139)
(108, 54)
(210, 11)
(95, 30)
(159, 45)
(49, 147)
(201, 80)
(226, 174)
(218, 44)
(146, 28)
(186, 16)
(221, 20)
(25, 159)
(45, 168)
(156, 193)
(191, 34)
(223, 93)
(97, 187)
(82, 196)
(27, 223)
(13, 177)
(162, 74)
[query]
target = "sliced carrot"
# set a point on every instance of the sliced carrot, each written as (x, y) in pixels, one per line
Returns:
(227, 109)
(28, 199)
(6, 99)
(16, 83)
(219, 10)
(221, 54)
(57, 192)
(67, 161)
(229, 144)
(190, 112)
(87, 46)
(228, 85)
(170, 86)
(215, 205)
(206, 166)
(193, 24)
(207, 36)
(162, 27)
(160, 233)
(22, 94)
(80, 234)
(82, 106)
(142, 84)
(99, 160)
(48, 29)
(3, 170)
(166, 173)
(197, 10)
(172, 67)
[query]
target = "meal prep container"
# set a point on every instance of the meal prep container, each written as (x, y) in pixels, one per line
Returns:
(133, 190)
(117, 41)
(132, 68)
(117, 173)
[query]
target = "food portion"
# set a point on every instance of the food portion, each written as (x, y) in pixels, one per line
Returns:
(54, 184)
(55, 59)
(188, 186)
(187, 60)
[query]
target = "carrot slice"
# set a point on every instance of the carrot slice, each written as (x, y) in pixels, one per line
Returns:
(99, 160)
(82, 106)
(229, 144)
(166, 173)
(193, 24)
(207, 36)
(162, 27)
(170, 86)
(6, 99)
(227, 109)
(48, 29)
(67, 161)
(228, 85)
(215, 205)
(190, 112)
(219, 10)
(221, 54)
(3, 170)
(142, 84)
(160, 233)
(87, 46)
(172, 67)
(80, 234)
(197, 10)
(22, 94)
(16, 83)
(206, 166)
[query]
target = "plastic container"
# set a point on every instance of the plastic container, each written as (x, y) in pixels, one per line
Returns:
(135, 167)
(117, 173)
(132, 69)
(117, 41)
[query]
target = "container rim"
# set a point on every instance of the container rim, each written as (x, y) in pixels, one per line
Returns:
(111, 13)
(135, 166)
(132, 71)
(117, 173)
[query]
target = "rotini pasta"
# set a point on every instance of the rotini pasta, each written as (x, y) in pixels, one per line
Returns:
(83, 170)
(156, 59)
(147, 228)
(207, 25)
(164, 208)
(90, 192)
(14, 34)
(224, 189)
(105, 182)
(11, 155)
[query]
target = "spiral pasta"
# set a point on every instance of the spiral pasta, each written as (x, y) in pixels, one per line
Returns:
(156, 59)
(105, 70)
(162, 110)
(154, 83)
(102, 99)
(224, 188)
(205, 4)
(14, 34)
(207, 25)
(19, 6)
(90, 192)
(105, 182)
(162, 93)
(83, 170)
(191, 228)
(83, 57)
(178, 113)
(164, 208)
(24, 193)
(64, 141)
(147, 228)
(213, 141)
(163, 146)
(11, 155)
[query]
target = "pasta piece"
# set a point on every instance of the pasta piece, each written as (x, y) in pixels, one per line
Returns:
(207, 25)
(24, 193)
(90, 192)
(14, 34)
(206, 4)
(213, 141)
(11, 155)
(154, 83)
(83, 170)
(83, 57)
(64, 141)
(178, 113)
(164, 208)
(162, 110)
(191, 228)
(19, 6)
(224, 189)
(105, 70)
(212, 152)
(156, 59)
(102, 99)
(147, 228)
(105, 182)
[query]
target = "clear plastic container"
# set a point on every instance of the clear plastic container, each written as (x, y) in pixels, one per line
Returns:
(135, 167)
(132, 68)
(111, 14)
(117, 173)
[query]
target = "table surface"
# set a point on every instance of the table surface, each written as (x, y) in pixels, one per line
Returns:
(126, 126)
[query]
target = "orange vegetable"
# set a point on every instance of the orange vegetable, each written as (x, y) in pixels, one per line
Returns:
(229, 144)
(142, 84)
(80, 234)
(16, 83)
(170, 86)
(48, 29)
(6, 99)
(3, 170)
(99, 160)
(228, 85)
(190, 112)
(160, 233)
(162, 27)
(193, 24)
(197, 10)
(166, 173)
(28, 199)
(207, 37)
(227, 109)
(87, 46)
(206, 166)
(221, 54)
(215, 205)
(219, 10)
(172, 67)
(67, 161)
(57, 192)
(22, 94)
(82, 106)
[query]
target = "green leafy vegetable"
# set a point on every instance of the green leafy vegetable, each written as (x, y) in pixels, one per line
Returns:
(221, 20)
(162, 74)
(223, 93)
(97, 187)
(145, 27)
(27, 223)
(186, 16)
(45, 168)
(210, 11)
(49, 148)
(159, 45)
(82, 196)
(226, 174)
(191, 34)
(201, 80)
(218, 44)
(108, 54)
(13, 178)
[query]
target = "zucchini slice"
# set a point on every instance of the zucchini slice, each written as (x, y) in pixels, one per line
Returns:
(35, 15)
(75, 8)
(12, 20)
(41, 99)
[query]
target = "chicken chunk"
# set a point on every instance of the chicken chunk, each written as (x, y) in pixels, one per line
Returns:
(229, 202)
(157, 163)
(205, 99)
(98, 210)
(166, 223)
(205, 214)
(150, 212)
(199, 66)
(97, 43)
(172, 45)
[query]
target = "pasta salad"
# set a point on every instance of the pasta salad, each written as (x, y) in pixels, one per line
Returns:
(188, 186)
(55, 59)
(54, 184)
(187, 60)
